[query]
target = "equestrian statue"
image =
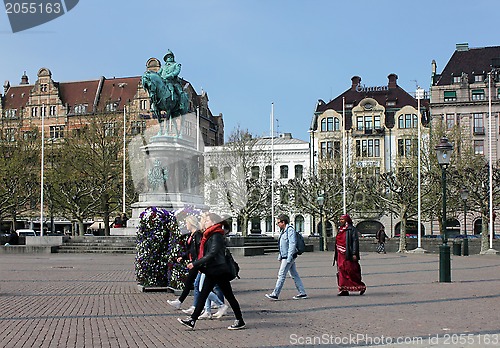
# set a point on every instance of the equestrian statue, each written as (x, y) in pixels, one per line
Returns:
(168, 99)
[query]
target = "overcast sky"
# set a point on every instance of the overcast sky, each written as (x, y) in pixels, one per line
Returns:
(247, 54)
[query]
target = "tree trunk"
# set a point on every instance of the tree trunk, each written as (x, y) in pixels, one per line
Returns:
(485, 244)
(323, 229)
(402, 236)
(244, 226)
(81, 228)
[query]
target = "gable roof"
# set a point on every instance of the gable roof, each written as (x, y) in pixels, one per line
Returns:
(17, 97)
(469, 61)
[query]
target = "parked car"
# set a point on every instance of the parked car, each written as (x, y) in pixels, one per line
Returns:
(26, 232)
(469, 236)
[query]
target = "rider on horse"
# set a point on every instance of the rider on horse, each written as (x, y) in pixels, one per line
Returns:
(169, 73)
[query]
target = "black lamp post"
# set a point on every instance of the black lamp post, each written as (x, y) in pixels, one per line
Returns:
(443, 152)
(464, 193)
(321, 201)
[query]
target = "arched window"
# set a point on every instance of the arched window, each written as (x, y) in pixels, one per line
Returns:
(299, 223)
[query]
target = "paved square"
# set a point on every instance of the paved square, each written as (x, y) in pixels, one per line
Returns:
(92, 300)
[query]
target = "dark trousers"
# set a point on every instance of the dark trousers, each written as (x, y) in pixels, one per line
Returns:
(227, 290)
(188, 283)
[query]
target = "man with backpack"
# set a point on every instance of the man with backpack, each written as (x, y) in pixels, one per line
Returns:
(288, 252)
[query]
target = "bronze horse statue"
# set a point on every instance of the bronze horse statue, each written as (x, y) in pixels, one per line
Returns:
(163, 99)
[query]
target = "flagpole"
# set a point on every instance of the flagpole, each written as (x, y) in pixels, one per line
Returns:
(124, 153)
(419, 94)
(343, 158)
(197, 128)
(42, 169)
(272, 169)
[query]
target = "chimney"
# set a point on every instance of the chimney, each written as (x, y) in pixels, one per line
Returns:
(6, 86)
(462, 47)
(24, 79)
(286, 135)
(393, 78)
(356, 80)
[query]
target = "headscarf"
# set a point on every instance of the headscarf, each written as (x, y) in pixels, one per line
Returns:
(347, 218)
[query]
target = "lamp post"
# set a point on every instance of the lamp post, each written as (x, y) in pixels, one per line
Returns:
(321, 201)
(464, 193)
(443, 152)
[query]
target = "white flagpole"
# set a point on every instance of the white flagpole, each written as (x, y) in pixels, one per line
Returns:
(41, 170)
(124, 153)
(343, 158)
(419, 95)
(272, 169)
(490, 155)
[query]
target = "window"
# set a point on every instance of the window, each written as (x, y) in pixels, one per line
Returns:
(498, 93)
(479, 147)
(407, 121)
(376, 122)
(478, 94)
(407, 147)
(138, 127)
(10, 113)
(336, 149)
(327, 124)
(269, 172)
(359, 123)
(456, 79)
(81, 108)
(478, 124)
(255, 172)
(213, 173)
(450, 96)
(53, 110)
(478, 78)
(109, 129)
(34, 112)
(10, 134)
(43, 87)
(56, 132)
(299, 223)
(43, 111)
(368, 148)
(299, 171)
(368, 122)
(227, 173)
(450, 121)
(111, 106)
(284, 172)
(336, 124)
(144, 104)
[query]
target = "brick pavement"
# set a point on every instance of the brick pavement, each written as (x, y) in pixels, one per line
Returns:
(92, 300)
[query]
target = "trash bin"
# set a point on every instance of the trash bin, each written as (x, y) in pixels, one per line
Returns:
(457, 247)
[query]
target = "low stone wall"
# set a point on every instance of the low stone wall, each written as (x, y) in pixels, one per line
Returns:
(46, 240)
(28, 249)
(431, 245)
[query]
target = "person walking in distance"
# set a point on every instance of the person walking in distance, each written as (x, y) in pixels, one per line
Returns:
(347, 258)
(381, 237)
(286, 256)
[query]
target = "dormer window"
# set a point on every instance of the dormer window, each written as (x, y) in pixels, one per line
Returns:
(456, 79)
(478, 78)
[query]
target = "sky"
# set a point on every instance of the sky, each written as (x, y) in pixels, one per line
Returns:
(248, 55)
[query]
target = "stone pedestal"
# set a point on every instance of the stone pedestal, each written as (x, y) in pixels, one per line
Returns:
(173, 176)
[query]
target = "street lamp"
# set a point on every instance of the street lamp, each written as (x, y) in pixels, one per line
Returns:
(321, 201)
(464, 193)
(443, 152)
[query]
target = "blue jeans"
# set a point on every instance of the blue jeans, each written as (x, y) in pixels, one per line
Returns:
(212, 297)
(284, 269)
(196, 290)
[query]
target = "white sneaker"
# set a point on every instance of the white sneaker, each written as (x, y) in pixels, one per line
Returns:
(222, 311)
(189, 311)
(175, 303)
(205, 315)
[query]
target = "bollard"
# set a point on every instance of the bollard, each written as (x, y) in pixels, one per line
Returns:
(457, 248)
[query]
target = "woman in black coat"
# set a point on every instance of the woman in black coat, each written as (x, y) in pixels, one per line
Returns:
(191, 254)
(212, 261)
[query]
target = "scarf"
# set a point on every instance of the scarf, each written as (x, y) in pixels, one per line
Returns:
(206, 235)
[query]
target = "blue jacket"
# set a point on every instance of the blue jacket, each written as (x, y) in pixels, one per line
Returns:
(287, 244)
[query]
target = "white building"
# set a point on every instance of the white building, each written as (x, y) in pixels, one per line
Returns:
(285, 157)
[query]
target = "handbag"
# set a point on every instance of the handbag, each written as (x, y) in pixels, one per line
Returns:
(234, 268)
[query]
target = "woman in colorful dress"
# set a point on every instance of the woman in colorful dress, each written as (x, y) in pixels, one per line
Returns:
(347, 258)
